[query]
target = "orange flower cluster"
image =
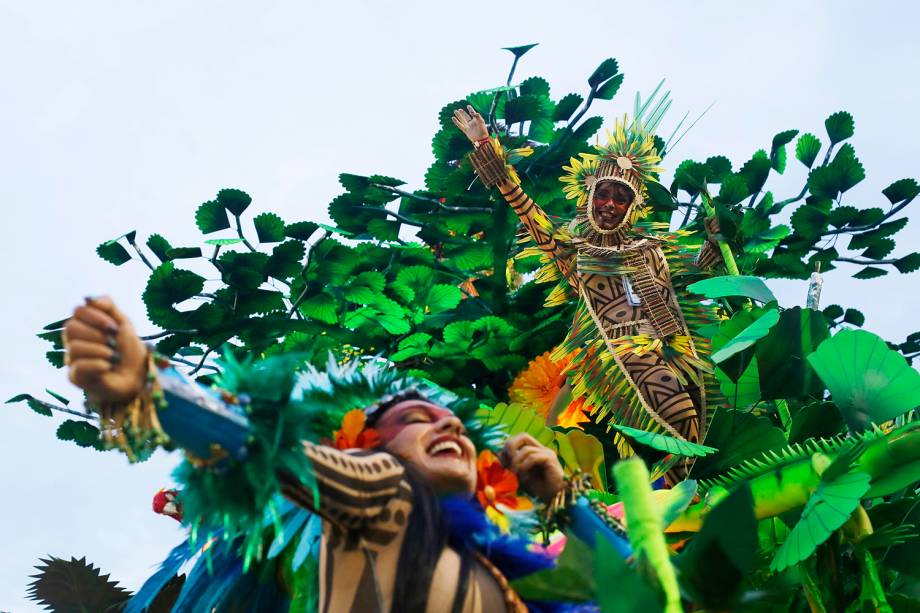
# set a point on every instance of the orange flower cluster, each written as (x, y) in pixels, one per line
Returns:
(538, 387)
(353, 434)
(496, 485)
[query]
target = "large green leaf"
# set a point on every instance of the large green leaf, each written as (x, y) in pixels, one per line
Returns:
(81, 432)
(868, 381)
(516, 419)
(718, 559)
(301, 230)
(758, 329)
(737, 285)
(566, 107)
(829, 507)
(661, 442)
(902, 191)
(604, 71)
(781, 364)
(737, 435)
(621, 587)
(75, 586)
(745, 391)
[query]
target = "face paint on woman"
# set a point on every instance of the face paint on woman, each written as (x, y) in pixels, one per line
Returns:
(434, 441)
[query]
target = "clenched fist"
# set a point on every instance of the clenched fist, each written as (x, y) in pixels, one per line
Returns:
(104, 355)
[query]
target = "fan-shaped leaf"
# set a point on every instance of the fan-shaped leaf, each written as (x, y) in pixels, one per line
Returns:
(839, 127)
(75, 585)
(807, 148)
(868, 381)
(909, 263)
(737, 435)
(234, 200)
(566, 107)
(829, 507)
(902, 191)
(870, 272)
(269, 228)
(211, 216)
(609, 89)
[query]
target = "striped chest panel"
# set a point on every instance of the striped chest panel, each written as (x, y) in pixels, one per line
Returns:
(649, 279)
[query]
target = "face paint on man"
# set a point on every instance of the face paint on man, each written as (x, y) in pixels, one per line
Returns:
(611, 204)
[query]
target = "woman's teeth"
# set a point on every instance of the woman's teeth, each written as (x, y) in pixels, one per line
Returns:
(446, 447)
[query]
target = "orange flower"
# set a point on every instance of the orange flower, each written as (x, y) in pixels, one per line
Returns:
(538, 385)
(574, 415)
(495, 484)
(353, 434)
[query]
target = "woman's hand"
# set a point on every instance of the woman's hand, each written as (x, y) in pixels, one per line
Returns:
(471, 123)
(537, 467)
(105, 357)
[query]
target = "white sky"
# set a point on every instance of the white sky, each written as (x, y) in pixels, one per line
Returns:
(125, 115)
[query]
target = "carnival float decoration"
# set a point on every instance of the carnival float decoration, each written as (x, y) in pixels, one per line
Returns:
(730, 453)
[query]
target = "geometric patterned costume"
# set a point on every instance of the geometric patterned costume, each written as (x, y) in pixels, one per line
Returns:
(633, 346)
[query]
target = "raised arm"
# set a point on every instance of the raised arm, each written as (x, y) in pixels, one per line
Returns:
(108, 360)
(492, 171)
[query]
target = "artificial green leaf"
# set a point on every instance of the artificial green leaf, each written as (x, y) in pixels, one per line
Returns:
(738, 436)
(815, 420)
(234, 200)
(778, 149)
(717, 168)
(734, 189)
(809, 221)
(526, 108)
(211, 216)
(443, 297)
(902, 191)
(571, 580)
(839, 127)
(39, 406)
(844, 172)
(58, 397)
(521, 49)
(180, 253)
(737, 285)
(384, 229)
(75, 586)
(868, 381)
(807, 148)
(113, 253)
(756, 170)
(833, 311)
(166, 287)
(879, 249)
(534, 86)
(619, 586)
(909, 263)
(81, 432)
(861, 241)
(664, 443)
(269, 228)
(854, 317)
(720, 556)
(515, 418)
(321, 307)
(745, 391)
(758, 329)
(829, 507)
(781, 364)
(604, 71)
(870, 272)
(566, 107)
(301, 230)
(285, 260)
(223, 242)
(842, 215)
(56, 358)
(609, 89)
(411, 346)
(159, 246)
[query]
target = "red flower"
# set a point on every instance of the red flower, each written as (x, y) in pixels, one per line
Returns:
(353, 434)
(495, 484)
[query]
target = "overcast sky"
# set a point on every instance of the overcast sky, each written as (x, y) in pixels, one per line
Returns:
(125, 115)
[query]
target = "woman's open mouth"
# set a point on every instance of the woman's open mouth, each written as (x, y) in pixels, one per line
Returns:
(445, 447)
